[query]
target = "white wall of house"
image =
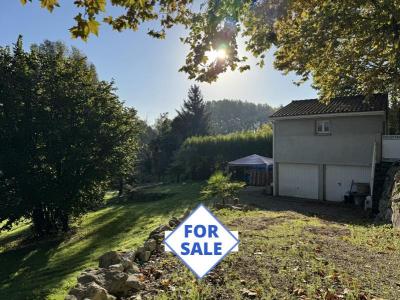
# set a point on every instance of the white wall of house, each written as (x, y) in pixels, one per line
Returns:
(350, 142)
(308, 165)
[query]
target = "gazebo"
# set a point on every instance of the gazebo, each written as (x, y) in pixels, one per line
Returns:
(254, 169)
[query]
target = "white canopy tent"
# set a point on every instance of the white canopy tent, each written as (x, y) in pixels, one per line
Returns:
(254, 161)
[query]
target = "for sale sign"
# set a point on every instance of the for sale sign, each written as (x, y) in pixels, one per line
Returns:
(201, 241)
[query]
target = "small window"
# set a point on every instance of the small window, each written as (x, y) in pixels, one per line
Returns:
(323, 127)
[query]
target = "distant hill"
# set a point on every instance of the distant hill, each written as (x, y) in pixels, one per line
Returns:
(234, 115)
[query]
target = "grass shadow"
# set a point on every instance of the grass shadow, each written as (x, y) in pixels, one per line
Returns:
(46, 270)
(329, 211)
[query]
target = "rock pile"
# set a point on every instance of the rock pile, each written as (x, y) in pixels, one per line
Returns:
(389, 204)
(119, 273)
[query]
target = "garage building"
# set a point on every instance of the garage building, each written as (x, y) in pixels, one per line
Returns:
(321, 150)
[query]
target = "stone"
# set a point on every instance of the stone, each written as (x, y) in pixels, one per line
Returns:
(110, 258)
(248, 293)
(159, 237)
(78, 291)
(236, 207)
(70, 297)
(389, 204)
(91, 275)
(143, 255)
(134, 283)
(396, 201)
(159, 229)
(96, 292)
(133, 268)
(115, 282)
(91, 291)
(128, 255)
(173, 222)
(116, 267)
(150, 245)
(126, 264)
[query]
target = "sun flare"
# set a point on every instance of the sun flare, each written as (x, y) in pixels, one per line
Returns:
(214, 55)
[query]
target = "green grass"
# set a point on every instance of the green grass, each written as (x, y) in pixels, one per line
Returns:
(288, 250)
(46, 270)
(291, 255)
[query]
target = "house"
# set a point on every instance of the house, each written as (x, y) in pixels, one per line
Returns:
(320, 149)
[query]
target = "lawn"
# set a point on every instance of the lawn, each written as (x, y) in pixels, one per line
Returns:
(46, 270)
(292, 250)
(288, 250)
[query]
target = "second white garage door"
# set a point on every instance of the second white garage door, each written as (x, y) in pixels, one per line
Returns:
(338, 180)
(298, 180)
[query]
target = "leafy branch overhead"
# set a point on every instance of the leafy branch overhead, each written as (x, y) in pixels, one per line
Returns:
(136, 12)
(346, 47)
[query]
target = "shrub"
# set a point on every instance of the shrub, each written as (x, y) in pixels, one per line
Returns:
(220, 188)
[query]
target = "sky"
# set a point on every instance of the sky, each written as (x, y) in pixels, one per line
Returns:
(145, 70)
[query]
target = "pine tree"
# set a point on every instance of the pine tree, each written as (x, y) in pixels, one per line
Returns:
(193, 119)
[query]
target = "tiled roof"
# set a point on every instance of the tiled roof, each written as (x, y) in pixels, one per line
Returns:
(351, 104)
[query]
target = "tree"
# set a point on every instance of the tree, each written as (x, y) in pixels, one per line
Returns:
(335, 47)
(394, 117)
(144, 164)
(162, 146)
(64, 135)
(193, 118)
(135, 13)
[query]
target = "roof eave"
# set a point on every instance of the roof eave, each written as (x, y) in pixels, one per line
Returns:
(344, 114)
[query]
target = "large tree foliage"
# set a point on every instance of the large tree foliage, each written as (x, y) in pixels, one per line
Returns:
(64, 135)
(347, 47)
(228, 116)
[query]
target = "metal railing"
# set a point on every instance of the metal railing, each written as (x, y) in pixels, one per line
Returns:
(390, 147)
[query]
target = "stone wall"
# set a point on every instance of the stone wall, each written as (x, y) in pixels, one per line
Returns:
(389, 204)
(118, 275)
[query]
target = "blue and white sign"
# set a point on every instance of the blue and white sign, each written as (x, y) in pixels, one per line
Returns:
(201, 241)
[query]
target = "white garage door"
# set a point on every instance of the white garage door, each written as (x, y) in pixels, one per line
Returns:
(298, 180)
(338, 180)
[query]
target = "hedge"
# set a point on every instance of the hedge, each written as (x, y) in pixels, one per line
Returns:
(199, 157)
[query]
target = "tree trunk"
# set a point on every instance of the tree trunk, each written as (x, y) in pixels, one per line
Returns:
(47, 221)
(120, 186)
(38, 221)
